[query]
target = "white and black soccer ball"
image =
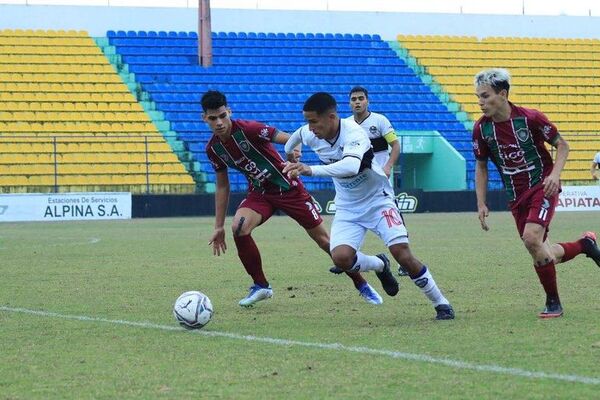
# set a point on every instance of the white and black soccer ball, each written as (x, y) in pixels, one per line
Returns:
(193, 310)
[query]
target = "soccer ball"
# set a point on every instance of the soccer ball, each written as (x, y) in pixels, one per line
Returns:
(193, 310)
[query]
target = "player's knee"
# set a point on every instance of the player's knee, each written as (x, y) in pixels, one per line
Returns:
(239, 227)
(531, 240)
(343, 260)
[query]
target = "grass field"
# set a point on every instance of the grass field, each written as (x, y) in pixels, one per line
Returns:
(105, 329)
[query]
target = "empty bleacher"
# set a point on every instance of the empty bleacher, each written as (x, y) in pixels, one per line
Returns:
(69, 123)
(557, 76)
(268, 76)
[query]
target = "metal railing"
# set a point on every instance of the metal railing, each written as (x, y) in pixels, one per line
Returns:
(55, 157)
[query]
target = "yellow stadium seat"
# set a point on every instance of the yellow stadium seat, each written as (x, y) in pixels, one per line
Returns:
(556, 75)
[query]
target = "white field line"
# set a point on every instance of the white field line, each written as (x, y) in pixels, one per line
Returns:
(424, 358)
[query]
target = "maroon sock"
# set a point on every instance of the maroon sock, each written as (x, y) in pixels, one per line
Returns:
(357, 278)
(572, 249)
(547, 275)
(250, 258)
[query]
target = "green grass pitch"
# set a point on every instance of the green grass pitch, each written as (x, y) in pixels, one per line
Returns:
(95, 280)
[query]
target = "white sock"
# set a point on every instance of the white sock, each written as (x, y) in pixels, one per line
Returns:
(364, 263)
(427, 285)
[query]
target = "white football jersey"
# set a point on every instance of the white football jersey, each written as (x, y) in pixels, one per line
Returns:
(376, 126)
(354, 192)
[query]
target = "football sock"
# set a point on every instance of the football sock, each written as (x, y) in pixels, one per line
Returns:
(363, 263)
(572, 249)
(424, 280)
(250, 258)
(547, 275)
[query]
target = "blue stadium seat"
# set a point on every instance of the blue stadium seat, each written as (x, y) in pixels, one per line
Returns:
(268, 76)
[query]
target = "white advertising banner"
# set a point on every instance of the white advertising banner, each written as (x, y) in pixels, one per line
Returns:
(579, 198)
(64, 206)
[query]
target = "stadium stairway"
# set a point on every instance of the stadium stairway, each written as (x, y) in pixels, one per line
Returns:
(560, 77)
(68, 122)
(268, 76)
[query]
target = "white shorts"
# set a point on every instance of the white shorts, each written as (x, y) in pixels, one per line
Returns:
(383, 219)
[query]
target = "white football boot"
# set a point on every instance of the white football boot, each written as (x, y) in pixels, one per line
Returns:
(370, 295)
(256, 294)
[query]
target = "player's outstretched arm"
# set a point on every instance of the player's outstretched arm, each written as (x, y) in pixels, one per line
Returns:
(281, 137)
(347, 166)
(394, 154)
(552, 182)
(481, 183)
(293, 147)
(594, 170)
(217, 240)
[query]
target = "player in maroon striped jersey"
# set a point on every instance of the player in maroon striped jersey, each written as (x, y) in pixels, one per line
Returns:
(513, 137)
(247, 147)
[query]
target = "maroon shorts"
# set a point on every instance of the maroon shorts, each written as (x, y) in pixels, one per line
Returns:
(297, 203)
(534, 207)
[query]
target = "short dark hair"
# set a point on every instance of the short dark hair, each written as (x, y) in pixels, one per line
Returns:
(357, 89)
(321, 103)
(212, 100)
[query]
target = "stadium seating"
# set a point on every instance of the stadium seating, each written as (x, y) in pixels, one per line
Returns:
(268, 76)
(67, 114)
(69, 123)
(557, 76)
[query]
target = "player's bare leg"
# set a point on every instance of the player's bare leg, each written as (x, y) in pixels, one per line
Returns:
(391, 289)
(321, 237)
(244, 222)
(422, 278)
(543, 261)
(350, 260)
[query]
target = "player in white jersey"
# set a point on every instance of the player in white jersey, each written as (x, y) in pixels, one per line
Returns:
(379, 129)
(364, 197)
(596, 166)
(381, 134)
